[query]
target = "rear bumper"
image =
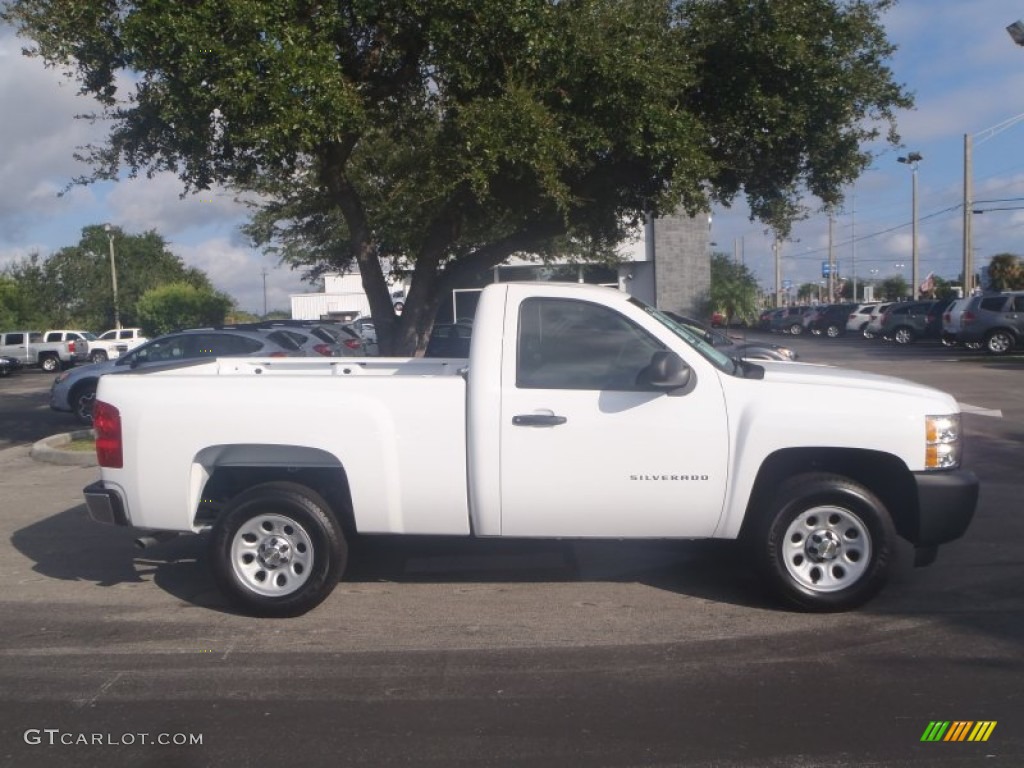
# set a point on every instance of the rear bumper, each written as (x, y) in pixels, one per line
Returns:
(105, 505)
(946, 501)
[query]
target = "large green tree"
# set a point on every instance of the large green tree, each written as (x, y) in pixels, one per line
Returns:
(174, 306)
(74, 287)
(442, 136)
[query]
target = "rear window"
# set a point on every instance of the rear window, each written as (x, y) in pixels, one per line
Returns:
(288, 340)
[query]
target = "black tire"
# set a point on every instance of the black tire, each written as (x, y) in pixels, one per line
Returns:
(903, 335)
(825, 543)
(99, 356)
(1000, 342)
(49, 363)
(83, 398)
(277, 551)
(399, 306)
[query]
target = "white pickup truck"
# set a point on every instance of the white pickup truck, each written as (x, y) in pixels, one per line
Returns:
(581, 412)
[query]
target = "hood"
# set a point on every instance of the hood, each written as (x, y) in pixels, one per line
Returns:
(811, 374)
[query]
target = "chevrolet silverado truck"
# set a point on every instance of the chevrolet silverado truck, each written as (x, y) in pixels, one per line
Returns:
(580, 413)
(29, 348)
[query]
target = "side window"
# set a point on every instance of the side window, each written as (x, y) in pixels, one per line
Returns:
(1018, 303)
(14, 338)
(52, 337)
(569, 344)
(993, 303)
(108, 335)
(125, 335)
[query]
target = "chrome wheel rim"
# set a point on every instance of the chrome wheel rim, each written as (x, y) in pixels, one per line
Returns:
(272, 555)
(826, 549)
(903, 336)
(999, 343)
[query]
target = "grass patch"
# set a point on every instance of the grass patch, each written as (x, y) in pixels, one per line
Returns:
(82, 446)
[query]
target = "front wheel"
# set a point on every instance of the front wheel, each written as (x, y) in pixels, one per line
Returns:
(999, 342)
(825, 543)
(796, 329)
(99, 356)
(278, 550)
(833, 331)
(83, 400)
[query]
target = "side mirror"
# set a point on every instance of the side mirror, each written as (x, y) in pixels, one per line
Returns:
(666, 371)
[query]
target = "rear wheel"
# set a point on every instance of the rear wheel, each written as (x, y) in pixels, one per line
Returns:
(903, 335)
(833, 331)
(49, 363)
(796, 329)
(278, 550)
(825, 543)
(999, 342)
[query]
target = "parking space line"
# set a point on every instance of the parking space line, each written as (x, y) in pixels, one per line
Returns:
(979, 411)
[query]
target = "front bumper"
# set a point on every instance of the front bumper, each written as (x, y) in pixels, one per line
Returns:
(946, 503)
(105, 505)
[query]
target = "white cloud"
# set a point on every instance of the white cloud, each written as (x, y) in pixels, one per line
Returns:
(142, 204)
(238, 271)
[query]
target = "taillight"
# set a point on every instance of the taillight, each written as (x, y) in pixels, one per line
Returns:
(323, 349)
(967, 318)
(352, 343)
(106, 420)
(71, 347)
(279, 354)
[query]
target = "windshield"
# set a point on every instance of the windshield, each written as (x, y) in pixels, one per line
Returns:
(88, 336)
(695, 339)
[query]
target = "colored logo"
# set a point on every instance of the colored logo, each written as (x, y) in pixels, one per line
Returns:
(958, 730)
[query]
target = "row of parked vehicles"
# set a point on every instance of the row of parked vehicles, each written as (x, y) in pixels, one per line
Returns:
(56, 349)
(74, 390)
(991, 321)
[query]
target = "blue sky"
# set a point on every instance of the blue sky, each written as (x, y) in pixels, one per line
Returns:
(966, 73)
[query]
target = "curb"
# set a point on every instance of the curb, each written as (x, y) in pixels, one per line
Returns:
(50, 450)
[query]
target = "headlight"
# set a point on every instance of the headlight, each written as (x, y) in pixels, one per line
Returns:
(942, 441)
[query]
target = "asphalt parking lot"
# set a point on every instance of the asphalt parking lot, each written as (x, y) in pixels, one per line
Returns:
(449, 653)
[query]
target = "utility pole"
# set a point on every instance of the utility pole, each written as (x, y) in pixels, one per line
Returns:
(831, 261)
(264, 293)
(853, 241)
(912, 159)
(968, 222)
(778, 272)
(113, 274)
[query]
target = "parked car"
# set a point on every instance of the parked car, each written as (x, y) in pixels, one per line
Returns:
(75, 390)
(951, 324)
(79, 341)
(449, 340)
(996, 321)
(734, 347)
(858, 318)
(319, 337)
(8, 365)
(911, 320)
(875, 320)
(29, 348)
(829, 320)
(789, 320)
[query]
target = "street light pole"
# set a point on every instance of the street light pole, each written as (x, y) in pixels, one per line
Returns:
(113, 275)
(912, 159)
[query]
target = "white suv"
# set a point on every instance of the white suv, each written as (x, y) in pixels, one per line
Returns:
(858, 319)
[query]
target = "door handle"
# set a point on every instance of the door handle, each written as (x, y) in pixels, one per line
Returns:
(538, 420)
